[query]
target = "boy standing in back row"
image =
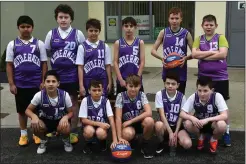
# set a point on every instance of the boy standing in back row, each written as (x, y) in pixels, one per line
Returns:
(62, 43)
(211, 50)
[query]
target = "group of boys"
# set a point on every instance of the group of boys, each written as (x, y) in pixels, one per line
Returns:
(84, 65)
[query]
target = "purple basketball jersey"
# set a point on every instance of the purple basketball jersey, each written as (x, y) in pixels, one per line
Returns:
(98, 114)
(216, 69)
(172, 109)
(47, 111)
(131, 109)
(94, 65)
(175, 42)
(207, 110)
(27, 68)
(64, 52)
(129, 57)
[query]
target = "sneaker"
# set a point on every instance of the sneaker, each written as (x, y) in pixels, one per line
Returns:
(23, 141)
(227, 139)
(200, 144)
(36, 139)
(42, 147)
(68, 147)
(74, 138)
(87, 148)
(160, 148)
(103, 145)
(172, 152)
(146, 153)
(213, 146)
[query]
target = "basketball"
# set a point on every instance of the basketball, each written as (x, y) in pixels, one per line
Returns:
(122, 153)
(172, 60)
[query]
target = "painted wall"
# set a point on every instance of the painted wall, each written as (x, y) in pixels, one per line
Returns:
(201, 9)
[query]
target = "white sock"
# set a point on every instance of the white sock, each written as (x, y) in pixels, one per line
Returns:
(201, 137)
(227, 129)
(24, 132)
(212, 139)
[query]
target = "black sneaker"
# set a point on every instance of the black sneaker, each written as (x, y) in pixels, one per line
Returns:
(146, 150)
(172, 152)
(160, 148)
(87, 148)
(103, 145)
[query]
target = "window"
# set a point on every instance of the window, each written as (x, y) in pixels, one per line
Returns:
(151, 17)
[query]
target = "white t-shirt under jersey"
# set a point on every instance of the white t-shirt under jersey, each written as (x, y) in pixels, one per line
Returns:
(83, 111)
(10, 50)
(159, 101)
(37, 100)
(63, 34)
(219, 102)
(81, 53)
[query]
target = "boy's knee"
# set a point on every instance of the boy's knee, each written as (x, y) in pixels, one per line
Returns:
(188, 124)
(187, 144)
(221, 126)
(128, 134)
(101, 134)
(159, 126)
(148, 122)
(88, 132)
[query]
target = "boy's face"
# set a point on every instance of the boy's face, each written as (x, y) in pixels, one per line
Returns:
(129, 29)
(171, 85)
(51, 84)
(204, 92)
(64, 20)
(209, 27)
(132, 90)
(25, 30)
(96, 92)
(93, 33)
(175, 20)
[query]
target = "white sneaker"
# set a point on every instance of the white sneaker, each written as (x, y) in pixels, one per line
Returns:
(42, 147)
(68, 147)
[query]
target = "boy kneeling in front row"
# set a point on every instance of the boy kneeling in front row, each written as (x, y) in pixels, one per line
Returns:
(54, 109)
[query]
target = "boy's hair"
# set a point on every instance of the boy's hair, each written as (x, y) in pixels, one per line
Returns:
(129, 20)
(209, 18)
(95, 83)
(64, 8)
(52, 73)
(175, 11)
(172, 75)
(204, 81)
(134, 80)
(25, 19)
(93, 23)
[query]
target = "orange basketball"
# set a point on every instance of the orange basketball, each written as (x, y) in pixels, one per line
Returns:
(173, 60)
(121, 153)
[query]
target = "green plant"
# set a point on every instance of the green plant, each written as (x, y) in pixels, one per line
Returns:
(2, 62)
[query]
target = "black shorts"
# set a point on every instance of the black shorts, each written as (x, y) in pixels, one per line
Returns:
(51, 125)
(207, 129)
(138, 127)
(120, 89)
(71, 88)
(182, 86)
(223, 88)
(23, 98)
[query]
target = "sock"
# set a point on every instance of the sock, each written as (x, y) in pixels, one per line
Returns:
(24, 132)
(161, 138)
(227, 129)
(212, 139)
(201, 137)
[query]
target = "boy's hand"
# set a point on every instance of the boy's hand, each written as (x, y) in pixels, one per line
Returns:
(63, 122)
(163, 62)
(82, 91)
(182, 61)
(123, 141)
(126, 123)
(171, 139)
(35, 124)
(109, 87)
(104, 125)
(13, 89)
(196, 122)
(204, 121)
(113, 144)
(41, 86)
(122, 83)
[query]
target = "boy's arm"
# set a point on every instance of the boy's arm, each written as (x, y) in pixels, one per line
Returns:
(187, 108)
(10, 66)
(164, 120)
(111, 120)
(81, 37)
(178, 125)
(31, 107)
(43, 59)
(69, 107)
(157, 45)
(142, 58)
(80, 63)
(197, 54)
(108, 62)
(190, 43)
(118, 115)
(116, 61)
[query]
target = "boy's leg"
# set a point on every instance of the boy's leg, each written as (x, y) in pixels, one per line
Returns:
(182, 86)
(159, 131)
(65, 133)
(219, 129)
(148, 129)
(88, 133)
(102, 136)
(184, 139)
(223, 88)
